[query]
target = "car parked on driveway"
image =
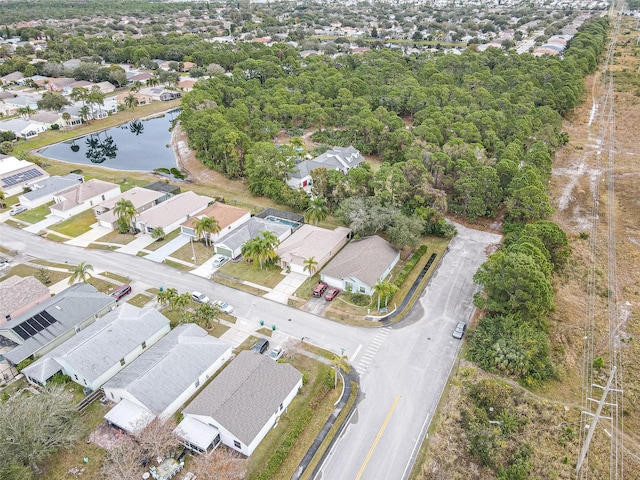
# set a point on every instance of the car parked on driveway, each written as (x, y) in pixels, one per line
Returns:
(276, 353)
(199, 297)
(261, 345)
(331, 294)
(121, 291)
(320, 289)
(224, 306)
(219, 260)
(459, 330)
(17, 209)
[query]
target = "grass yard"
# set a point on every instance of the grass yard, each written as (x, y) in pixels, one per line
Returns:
(35, 215)
(247, 344)
(218, 329)
(100, 246)
(28, 270)
(47, 263)
(14, 223)
(116, 237)
(268, 277)
(317, 397)
(237, 284)
(175, 316)
(76, 225)
(116, 277)
(265, 331)
(202, 252)
(102, 285)
(140, 300)
(159, 243)
(178, 265)
(56, 238)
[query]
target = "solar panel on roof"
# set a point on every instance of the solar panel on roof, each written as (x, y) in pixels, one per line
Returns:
(17, 178)
(35, 324)
(21, 332)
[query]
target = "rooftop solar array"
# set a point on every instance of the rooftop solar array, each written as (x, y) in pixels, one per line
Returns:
(33, 325)
(17, 178)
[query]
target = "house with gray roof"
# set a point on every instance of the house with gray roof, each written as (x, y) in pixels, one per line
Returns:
(105, 347)
(231, 244)
(50, 323)
(42, 191)
(241, 405)
(83, 196)
(22, 128)
(165, 376)
(141, 198)
(19, 294)
(361, 264)
(172, 212)
(338, 158)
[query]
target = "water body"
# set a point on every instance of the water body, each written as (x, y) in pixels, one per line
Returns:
(142, 145)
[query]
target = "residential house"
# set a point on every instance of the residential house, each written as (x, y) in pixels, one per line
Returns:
(141, 77)
(361, 264)
(22, 100)
(50, 323)
(141, 198)
(97, 353)
(16, 174)
(338, 158)
(19, 294)
(7, 110)
(22, 128)
(106, 87)
(240, 405)
(172, 212)
(42, 191)
(311, 241)
(228, 218)
(48, 119)
(59, 84)
(230, 245)
(160, 93)
(10, 78)
(162, 379)
(186, 85)
(82, 197)
(142, 98)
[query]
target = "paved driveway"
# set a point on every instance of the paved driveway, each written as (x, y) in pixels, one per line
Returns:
(166, 250)
(287, 287)
(43, 224)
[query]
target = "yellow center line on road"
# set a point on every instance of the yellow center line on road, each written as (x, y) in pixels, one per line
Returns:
(378, 436)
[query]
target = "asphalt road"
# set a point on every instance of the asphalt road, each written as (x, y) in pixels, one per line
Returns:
(403, 370)
(402, 385)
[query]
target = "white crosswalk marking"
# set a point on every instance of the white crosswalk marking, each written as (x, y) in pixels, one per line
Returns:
(373, 348)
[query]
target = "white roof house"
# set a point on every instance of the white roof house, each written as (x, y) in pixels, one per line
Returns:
(231, 244)
(22, 128)
(361, 264)
(16, 174)
(141, 198)
(105, 347)
(83, 197)
(241, 404)
(42, 191)
(158, 382)
(172, 212)
(311, 241)
(338, 158)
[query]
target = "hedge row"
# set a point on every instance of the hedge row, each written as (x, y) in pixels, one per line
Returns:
(282, 452)
(415, 258)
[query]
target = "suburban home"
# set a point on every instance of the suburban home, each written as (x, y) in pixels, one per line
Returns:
(16, 174)
(42, 191)
(241, 405)
(141, 198)
(186, 85)
(338, 158)
(59, 84)
(48, 119)
(7, 110)
(22, 128)
(106, 87)
(83, 197)
(50, 323)
(141, 97)
(172, 212)
(162, 379)
(229, 218)
(19, 294)
(22, 100)
(105, 347)
(361, 264)
(230, 245)
(141, 77)
(311, 241)
(12, 77)
(160, 93)
(282, 216)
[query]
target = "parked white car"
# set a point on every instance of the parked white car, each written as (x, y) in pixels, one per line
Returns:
(219, 260)
(199, 297)
(225, 307)
(276, 353)
(17, 209)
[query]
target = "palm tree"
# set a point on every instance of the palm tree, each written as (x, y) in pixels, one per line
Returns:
(181, 301)
(126, 213)
(158, 233)
(1, 199)
(205, 314)
(153, 81)
(205, 227)
(66, 116)
(340, 363)
(317, 210)
(84, 114)
(384, 289)
(131, 101)
(310, 265)
(167, 296)
(26, 111)
(81, 273)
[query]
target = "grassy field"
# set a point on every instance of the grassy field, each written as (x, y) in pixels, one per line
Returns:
(185, 253)
(268, 277)
(27, 271)
(140, 300)
(116, 237)
(76, 225)
(217, 329)
(159, 243)
(116, 277)
(35, 214)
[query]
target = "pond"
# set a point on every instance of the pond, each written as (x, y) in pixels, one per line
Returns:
(139, 145)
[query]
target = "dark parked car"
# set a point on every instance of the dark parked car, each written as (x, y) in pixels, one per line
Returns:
(261, 345)
(459, 330)
(121, 291)
(331, 294)
(320, 289)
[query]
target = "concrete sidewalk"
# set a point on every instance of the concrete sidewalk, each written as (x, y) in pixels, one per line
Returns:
(132, 248)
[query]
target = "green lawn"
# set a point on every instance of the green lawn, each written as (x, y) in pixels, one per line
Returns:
(76, 225)
(159, 243)
(116, 237)
(140, 300)
(116, 277)
(202, 252)
(177, 265)
(35, 215)
(56, 238)
(268, 277)
(218, 329)
(28, 270)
